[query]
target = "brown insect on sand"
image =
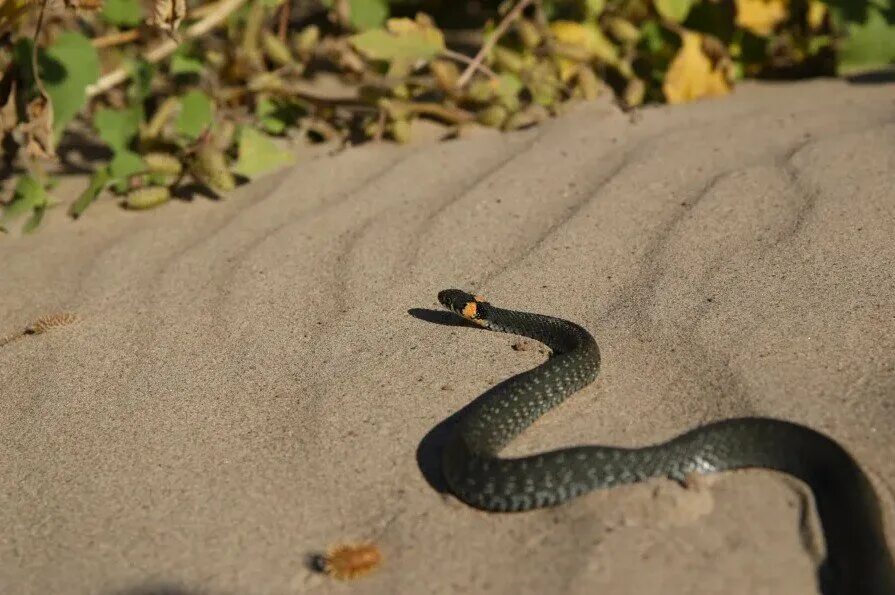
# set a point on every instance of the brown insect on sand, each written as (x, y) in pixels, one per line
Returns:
(45, 323)
(42, 325)
(346, 562)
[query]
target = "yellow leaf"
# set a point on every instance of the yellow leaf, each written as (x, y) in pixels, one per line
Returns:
(401, 39)
(588, 42)
(817, 10)
(761, 16)
(692, 75)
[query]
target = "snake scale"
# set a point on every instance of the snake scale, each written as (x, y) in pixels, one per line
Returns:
(858, 560)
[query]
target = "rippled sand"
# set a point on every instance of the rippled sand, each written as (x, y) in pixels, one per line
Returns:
(248, 382)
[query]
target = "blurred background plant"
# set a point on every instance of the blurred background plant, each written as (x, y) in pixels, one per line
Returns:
(166, 98)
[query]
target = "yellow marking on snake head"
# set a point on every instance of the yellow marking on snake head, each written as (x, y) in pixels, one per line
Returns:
(469, 310)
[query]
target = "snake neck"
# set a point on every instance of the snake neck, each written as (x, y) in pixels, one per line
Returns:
(507, 409)
(561, 336)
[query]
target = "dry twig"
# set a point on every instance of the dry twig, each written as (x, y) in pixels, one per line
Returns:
(469, 61)
(492, 39)
(214, 18)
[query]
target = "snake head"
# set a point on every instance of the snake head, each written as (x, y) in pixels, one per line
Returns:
(469, 306)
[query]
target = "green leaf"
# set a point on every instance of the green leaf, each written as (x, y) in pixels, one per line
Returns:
(258, 153)
(276, 116)
(405, 40)
(674, 10)
(97, 184)
(196, 113)
(125, 164)
(67, 67)
(367, 14)
(851, 11)
(869, 44)
(34, 220)
(117, 127)
(29, 195)
(182, 63)
(21, 55)
(651, 36)
(123, 13)
(141, 80)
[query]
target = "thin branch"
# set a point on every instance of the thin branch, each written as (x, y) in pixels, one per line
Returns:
(214, 18)
(544, 25)
(34, 70)
(285, 13)
(467, 60)
(114, 39)
(492, 39)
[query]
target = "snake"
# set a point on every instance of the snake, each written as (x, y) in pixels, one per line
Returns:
(858, 560)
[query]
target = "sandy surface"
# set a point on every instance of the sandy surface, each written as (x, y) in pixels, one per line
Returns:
(246, 384)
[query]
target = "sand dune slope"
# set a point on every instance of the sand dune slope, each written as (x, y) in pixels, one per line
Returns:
(246, 383)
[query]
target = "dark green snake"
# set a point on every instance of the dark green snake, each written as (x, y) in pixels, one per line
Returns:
(858, 559)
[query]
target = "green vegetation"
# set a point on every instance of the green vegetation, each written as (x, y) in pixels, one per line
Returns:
(178, 94)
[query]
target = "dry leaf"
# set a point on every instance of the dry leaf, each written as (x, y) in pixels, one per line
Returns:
(37, 132)
(9, 118)
(11, 12)
(692, 75)
(87, 5)
(761, 16)
(164, 14)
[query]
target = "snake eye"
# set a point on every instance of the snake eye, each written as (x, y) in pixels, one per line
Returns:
(456, 301)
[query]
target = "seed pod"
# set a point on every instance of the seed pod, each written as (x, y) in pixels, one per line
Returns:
(480, 90)
(209, 166)
(576, 53)
(277, 51)
(543, 84)
(269, 82)
(507, 59)
(625, 69)
(623, 30)
(215, 59)
(527, 117)
(146, 198)
(163, 163)
(634, 92)
(588, 83)
(401, 91)
(528, 33)
(306, 40)
(493, 116)
(446, 74)
(161, 117)
(400, 130)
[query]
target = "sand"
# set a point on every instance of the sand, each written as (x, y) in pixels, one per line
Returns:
(253, 380)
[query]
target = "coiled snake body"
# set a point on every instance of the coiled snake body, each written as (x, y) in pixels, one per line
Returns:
(858, 559)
